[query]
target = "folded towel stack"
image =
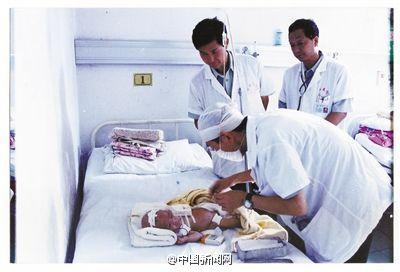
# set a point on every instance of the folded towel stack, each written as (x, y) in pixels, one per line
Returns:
(140, 143)
(375, 134)
(379, 130)
(380, 137)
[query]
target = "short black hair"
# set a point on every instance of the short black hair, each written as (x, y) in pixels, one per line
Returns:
(309, 27)
(206, 31)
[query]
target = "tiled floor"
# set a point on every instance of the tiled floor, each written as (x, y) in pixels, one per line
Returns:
(381, 250)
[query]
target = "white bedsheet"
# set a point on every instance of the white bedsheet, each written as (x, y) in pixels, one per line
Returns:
(102, 234)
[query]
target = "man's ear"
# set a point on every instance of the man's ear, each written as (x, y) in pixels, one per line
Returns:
(316, 41)
(227, 42)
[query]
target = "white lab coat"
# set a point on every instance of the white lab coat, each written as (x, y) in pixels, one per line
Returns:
(330, 84)
(346, 189)
(206, 91)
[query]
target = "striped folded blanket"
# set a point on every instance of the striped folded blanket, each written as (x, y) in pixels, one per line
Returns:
(138, 134)
(380, 137)
(148, 153)
(149, 157)
(134, 144)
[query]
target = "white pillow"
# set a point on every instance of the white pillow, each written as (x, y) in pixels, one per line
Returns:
(384, 155)
(179, 156)
(378, 123)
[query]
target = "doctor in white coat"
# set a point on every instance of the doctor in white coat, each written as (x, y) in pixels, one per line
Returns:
(318, 85)
(328, 189)
(226, 78)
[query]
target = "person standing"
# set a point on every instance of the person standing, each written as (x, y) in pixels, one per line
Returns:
(228, 78)
(318, 84)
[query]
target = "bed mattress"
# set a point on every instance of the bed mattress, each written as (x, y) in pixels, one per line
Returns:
(102, 234)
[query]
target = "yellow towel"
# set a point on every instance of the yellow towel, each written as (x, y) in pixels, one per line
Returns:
(254, 225)
(192, 198)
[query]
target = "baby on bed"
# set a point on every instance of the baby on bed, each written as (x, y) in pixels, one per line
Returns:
(189, 231)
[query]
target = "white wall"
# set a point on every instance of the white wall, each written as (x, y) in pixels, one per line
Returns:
(340, 28)
(359, 35)
(47, 131)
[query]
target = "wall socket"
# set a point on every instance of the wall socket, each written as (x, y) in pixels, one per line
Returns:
(143, 79)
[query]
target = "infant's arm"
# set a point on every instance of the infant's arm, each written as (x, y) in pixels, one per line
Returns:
(206, 219)
(193, 236)
(230, 222)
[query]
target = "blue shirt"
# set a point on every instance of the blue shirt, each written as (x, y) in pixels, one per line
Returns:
(228, 77)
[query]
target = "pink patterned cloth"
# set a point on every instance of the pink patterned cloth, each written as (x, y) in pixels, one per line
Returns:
(140, 143)
(379, 137)
(127, 143)
(12, 139)
(12, 143)
(136, 154)
(134, 146)
(134, 150)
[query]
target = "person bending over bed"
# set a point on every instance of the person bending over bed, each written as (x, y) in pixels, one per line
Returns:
(201, 220)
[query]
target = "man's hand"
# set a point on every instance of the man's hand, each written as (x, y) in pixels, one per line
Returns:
(224, 183)
(221, 185)
(230, 200)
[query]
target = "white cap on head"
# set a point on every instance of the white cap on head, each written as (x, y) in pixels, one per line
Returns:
(223, 117)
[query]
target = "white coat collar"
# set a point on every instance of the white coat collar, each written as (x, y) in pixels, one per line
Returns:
(315, 66)
(208, 75)
(318, 73)
(322, 66)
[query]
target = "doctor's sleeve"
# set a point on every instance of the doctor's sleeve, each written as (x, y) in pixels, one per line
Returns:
(194, 103)
(343, 97)
(281, 168)
(282, 105)
(266, 86)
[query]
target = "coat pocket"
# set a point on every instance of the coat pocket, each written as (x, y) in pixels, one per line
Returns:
(327, 236)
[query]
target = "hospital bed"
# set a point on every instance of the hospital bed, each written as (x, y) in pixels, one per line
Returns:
(102, 233)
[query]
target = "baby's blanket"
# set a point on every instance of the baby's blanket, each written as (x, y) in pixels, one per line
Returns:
(149, 237)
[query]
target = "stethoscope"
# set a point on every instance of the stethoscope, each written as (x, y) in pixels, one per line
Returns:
(303, 87)
(236, 76)
(238, 82)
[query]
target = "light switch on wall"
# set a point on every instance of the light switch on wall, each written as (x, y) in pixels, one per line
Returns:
(145, 79)
(380, 77)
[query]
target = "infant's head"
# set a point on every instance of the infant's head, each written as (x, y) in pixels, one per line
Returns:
(164, 219)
